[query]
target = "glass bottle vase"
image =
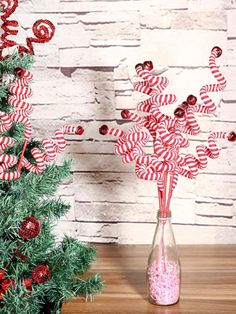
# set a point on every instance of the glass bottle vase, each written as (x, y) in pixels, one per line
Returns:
(163, 271)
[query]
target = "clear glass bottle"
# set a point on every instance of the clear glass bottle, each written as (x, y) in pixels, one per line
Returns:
(163, 271)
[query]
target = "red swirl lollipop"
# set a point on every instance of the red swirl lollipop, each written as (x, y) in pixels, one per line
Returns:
(43, 30)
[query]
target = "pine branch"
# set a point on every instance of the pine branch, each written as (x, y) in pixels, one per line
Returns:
(71, 257)
(8, 65)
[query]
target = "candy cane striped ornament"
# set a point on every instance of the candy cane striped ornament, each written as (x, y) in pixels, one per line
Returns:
(209, 106)
(51, 149)
(127, 142)
(205, 152)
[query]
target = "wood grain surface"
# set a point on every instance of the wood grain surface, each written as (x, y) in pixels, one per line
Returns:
(208, 281)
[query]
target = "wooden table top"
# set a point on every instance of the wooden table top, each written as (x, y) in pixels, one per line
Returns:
(208, 281)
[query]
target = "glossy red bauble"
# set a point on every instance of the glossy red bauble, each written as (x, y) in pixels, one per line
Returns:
(30, 228)
(103, 130)
(79, 130)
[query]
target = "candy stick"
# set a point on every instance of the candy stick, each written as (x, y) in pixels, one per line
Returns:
(51, 149)
(209, 106)
(158, 82)
(21, 156)
(170, 191)
(6, 122)
(20, 91)
(159, 198)
(212, 151)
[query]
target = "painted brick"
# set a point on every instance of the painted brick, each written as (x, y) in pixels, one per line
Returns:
(213, 20)
(143, 234)
(95, 57)
(112, 28)
(88, 6)
(191, 51)
(211, 5)
(73, 35)
(231, 27)
(155, 19)
(115, 212)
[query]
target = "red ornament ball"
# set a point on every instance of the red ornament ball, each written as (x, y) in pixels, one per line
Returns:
(148, 65)
(232, 136)
(2, 274)
(79, 130)
(19, 72)
(41, 274)
(2, 292)
(103, 130)
(181, 110)
(191, 100)
(30, 228)
(28, 283)
(8, 283)
(139, 66)
(217, 51)
(125, 114)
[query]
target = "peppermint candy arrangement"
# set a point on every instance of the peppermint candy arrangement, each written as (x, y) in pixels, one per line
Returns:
(19, 91)
(168, 134)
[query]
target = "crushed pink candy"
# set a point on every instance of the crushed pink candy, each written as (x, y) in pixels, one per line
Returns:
(164, 282)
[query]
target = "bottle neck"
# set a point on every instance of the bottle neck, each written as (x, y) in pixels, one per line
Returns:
(163, 216)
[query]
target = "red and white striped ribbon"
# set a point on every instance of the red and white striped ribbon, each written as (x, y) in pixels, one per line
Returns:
(201, 161)
(209, 106)
(51, 149)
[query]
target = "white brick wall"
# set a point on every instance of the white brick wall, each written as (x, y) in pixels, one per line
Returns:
(84, 75)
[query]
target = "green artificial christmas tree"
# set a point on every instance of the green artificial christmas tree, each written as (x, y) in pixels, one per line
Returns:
(37, 274)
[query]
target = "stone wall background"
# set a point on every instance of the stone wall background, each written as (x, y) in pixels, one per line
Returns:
(83, 75)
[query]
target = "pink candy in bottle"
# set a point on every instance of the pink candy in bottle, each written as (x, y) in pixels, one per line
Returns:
(163, 271)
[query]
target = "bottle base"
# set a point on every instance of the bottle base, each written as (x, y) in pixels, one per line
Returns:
(151, 301)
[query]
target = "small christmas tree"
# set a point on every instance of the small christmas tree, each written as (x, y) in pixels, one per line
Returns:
(36, 273)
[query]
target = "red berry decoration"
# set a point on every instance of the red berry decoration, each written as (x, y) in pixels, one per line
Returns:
(139, 66)
(30, 228)
(2, 274)
(232, 136)
(125, 114)
(148, 65)
(41, 274)
(180, 111)
(19, 72)
(217, 51)
(2, 292)
(28, 283)
(8, 283)
(192, 100)
(103, 130)
(79, 130)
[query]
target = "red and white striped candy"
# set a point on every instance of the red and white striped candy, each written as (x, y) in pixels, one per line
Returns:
(212, 151)
(21, 91)
(6, 142)
(147, 173)
(6, 122)
(170, 135)
(51, 149)
(209, 106)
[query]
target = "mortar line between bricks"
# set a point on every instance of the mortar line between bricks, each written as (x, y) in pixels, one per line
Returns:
(150, 222)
